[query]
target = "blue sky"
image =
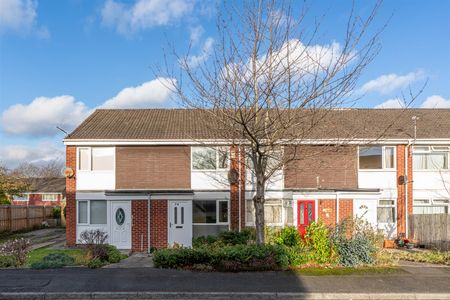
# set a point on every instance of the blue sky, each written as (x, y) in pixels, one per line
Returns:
(59, 60)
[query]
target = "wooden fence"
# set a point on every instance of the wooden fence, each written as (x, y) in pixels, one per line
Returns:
(432, 231)
(18, 217)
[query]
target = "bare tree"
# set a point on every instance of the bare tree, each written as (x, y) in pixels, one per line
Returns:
(49, 169)
(269, 83)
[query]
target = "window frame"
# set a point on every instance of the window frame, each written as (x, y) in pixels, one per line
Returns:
(217, 154)
(50, 194)
(217, 213)
(383, 158)
(23, 200)
(90, 160)
(89, 213)
(393, 205)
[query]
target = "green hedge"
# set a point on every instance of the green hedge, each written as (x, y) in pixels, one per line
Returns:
(232, 258)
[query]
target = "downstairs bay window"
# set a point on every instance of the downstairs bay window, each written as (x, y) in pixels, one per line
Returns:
(210, 217)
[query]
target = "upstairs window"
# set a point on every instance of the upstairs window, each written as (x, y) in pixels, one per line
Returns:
(23, 197)
(210, 158)
(376, 157)
(431, 158)
(96, 159)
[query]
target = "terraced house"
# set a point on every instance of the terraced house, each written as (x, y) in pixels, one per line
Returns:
(155, 177)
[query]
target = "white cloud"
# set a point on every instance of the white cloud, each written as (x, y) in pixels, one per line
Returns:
(195, 60)
(436, 101)
(392, 103)
(20, 16)
(144, 14)
(13, 155)
(149, 94)
(196, 33)
(388, 83)
(41, 116)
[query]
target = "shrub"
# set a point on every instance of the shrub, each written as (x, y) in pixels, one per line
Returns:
(95, 263)
(56, 212)
(355, 251)
(17, 248)
(113, 254)
(7, 261)
(54, 260)
(94, 240)
(288, 236)
(201, 241)
(228, 258)
(235, 237)
(317, 243)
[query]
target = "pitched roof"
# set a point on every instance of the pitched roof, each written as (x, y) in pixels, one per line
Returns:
(178, 124)
(47, 185)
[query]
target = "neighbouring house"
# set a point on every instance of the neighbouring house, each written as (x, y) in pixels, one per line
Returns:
(43, 192)
(155, 177)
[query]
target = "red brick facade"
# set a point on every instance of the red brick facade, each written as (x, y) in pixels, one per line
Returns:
(71, 216)
(237, 164)
(36, 199)
(401, 188)
(345, 209)
(327, 211)
(139, 229)
(158, 225)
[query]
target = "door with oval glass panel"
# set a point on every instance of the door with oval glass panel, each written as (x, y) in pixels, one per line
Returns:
(180, 223)
(121, 224)
(305, 214)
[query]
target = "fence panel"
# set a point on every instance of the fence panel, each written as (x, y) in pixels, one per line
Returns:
(18, 217)
(432, 231)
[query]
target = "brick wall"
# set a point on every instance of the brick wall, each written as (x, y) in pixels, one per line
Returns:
(71, 222)
(234, 189)
(158, 224)
(335, 167)
(139, 229)
(401, 213)
(345, 209)
(155, 167)
(327, 211)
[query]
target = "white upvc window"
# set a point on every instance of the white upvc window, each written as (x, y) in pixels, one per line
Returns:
(96, 159)
(209, 158)
(431, 206)
(92, 212)
(211, 212)
(376, 157)
(49, 197)
(431, 157)
(386, 211)
(23, 197)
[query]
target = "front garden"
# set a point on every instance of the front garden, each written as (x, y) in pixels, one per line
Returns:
(352, 247)
(94, 253)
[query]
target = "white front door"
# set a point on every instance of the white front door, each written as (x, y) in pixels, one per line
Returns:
(121, 224)
(180, 223)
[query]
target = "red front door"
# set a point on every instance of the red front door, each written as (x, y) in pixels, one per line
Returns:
(305, 214)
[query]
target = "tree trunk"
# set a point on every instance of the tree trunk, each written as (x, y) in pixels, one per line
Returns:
(258, 201)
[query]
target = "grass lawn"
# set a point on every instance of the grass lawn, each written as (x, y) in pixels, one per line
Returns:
(317, 271)
(424, 256)
(6, 236)
(37, 255)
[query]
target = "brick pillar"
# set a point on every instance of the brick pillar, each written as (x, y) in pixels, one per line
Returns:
(71, 214)
(345, 209)
(158, 224)
(401, 213)
(139, 229)
(327, 211)
(410, 183)
(237, 163)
